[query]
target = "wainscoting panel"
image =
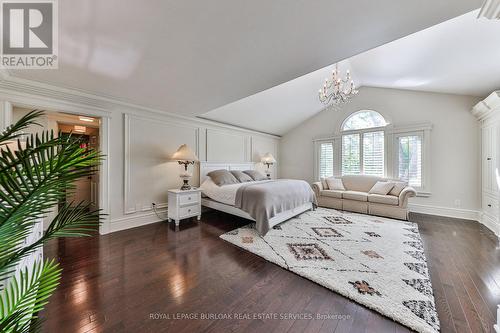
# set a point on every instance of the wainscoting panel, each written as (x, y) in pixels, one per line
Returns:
(149, 172)
(260, 146)
(227, 146)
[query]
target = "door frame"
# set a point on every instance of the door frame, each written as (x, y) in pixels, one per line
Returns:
(8, 101)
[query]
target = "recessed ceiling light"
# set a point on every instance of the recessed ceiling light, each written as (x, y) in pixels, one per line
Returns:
(87, 119)
(80, 129)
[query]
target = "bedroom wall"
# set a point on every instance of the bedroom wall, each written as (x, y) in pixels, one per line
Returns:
(455, 146)
(150, 140)
(140, 146)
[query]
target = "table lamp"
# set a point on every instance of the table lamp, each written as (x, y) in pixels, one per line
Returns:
(184, 155)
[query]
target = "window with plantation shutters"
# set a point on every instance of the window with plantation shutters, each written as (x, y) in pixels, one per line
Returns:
(326, 159)
(410, 159)
(373, 153)
(351, 154)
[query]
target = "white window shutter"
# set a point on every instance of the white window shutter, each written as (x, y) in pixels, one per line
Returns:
(351, 159)
(410, 159)
(326, 159)
(373, 153)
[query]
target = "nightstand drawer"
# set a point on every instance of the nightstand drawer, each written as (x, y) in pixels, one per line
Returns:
(189, 198)
(189, 211)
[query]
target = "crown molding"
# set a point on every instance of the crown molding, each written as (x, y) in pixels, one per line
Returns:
(100, 105)
(482, 109)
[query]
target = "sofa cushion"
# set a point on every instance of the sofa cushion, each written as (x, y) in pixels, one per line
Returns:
(335, 184)
(355, 195)
(381, 187)
(332, 193)
(398, 187)
(383, 199)
(360, 183)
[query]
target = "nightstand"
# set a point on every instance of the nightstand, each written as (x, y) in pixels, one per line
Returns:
(184, 204)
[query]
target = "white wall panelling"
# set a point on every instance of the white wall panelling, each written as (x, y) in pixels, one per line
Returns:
(488, 113)
(125, 130)
(260, 146)
(227, 146)
(149, 143)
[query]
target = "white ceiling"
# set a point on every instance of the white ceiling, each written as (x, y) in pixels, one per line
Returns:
(192, 56)
(459, 56)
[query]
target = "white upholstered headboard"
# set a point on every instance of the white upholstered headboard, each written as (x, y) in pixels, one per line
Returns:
(206, 167)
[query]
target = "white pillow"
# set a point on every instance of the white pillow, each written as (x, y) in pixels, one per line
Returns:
(398, 187)
(324, 183)
(335, 184)
(381, 188)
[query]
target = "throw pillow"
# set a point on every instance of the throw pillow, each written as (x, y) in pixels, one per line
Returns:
(398, 187)
(335, 184)
(241, 176)
(256, 175)
(324, 183)
(222, 177)
(381, 188)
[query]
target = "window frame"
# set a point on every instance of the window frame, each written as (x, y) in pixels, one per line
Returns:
(391, 135)
(361, 133)
(362, 129)
(317, 156)
(424, 189)
(318, 152)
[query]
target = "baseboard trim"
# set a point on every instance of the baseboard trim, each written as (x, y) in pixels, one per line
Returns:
(465, 214)
(490, 223)
(136, 220)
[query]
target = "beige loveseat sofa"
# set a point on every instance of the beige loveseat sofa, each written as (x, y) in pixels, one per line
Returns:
(356, 198)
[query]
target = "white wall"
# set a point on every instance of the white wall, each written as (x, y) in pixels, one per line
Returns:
(455, 145)
(144, 144)
(140, 146)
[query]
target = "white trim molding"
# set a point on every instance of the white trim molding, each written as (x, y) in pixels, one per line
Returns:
(466, 214)
(391, 133)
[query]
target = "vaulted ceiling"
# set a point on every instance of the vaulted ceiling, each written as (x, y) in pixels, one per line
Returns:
(459, 56)
(192, 56)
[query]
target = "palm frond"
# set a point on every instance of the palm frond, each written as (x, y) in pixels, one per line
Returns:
(14, 131)
(34, 177)
(26, 295)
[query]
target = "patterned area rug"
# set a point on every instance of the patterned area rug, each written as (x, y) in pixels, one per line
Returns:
(377, 262)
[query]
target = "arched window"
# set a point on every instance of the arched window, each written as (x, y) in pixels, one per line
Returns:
(363, 144)
(363, 120)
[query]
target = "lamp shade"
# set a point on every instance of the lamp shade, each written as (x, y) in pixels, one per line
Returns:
(268, 158)
(184, 153)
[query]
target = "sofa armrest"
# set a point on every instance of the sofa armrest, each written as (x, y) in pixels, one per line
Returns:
(317, 188)
(407, 192)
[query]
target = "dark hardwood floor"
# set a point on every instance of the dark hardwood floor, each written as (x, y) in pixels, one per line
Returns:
(130, 281)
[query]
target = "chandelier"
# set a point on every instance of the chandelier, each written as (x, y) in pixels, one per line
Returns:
(337, 90)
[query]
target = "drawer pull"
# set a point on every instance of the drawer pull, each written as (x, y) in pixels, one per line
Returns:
(488, 159)
(189, 198)
(189, 210)
(489, 205)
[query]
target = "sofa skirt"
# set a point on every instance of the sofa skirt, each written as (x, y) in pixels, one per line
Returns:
(362, 207)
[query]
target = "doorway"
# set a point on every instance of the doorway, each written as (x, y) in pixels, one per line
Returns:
(86, 189)
(81, 128)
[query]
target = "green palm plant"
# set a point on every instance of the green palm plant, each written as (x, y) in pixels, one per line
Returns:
(35, 176)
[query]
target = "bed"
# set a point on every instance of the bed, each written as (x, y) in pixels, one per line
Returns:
(226, 200)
